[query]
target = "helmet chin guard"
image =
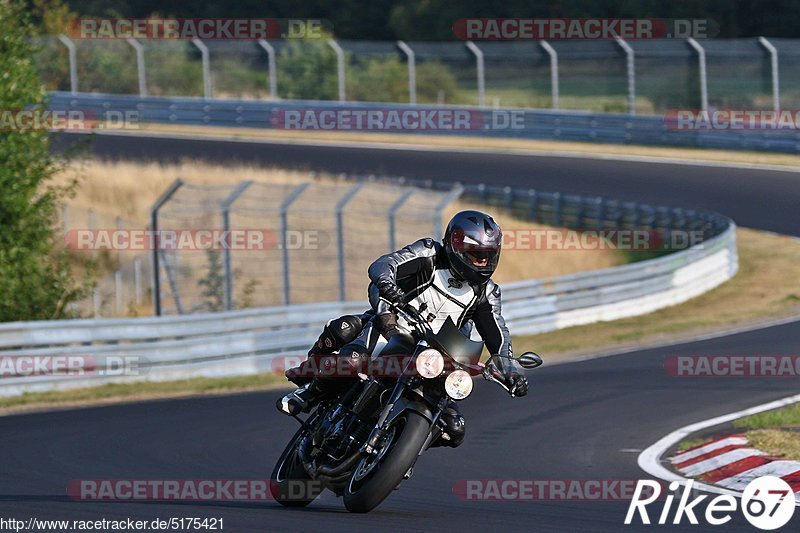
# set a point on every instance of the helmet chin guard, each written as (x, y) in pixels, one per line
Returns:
(472, 242)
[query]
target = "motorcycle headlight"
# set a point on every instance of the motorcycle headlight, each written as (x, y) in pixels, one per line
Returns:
(430, 363)
(458, 384)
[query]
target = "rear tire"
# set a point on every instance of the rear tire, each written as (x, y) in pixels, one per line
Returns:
(290, 484)
(368, 487)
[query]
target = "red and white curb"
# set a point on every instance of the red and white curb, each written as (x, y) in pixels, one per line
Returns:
(653, 461)
(730, 463)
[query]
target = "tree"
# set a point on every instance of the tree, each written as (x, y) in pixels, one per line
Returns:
(35, 273)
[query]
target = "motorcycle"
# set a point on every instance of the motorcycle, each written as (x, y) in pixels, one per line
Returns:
(363, 443)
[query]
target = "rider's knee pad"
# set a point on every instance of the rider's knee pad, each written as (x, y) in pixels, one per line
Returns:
(454, 426)
(337, 333)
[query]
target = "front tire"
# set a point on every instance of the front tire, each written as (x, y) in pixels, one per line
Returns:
(373, 480)
(290, 484)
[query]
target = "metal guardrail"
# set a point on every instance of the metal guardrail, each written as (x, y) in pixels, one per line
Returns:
(535, 124)
(250, 341)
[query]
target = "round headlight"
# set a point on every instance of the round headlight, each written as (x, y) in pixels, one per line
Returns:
(458, 385)
(430, 363)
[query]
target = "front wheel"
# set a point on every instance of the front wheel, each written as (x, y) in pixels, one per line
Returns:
(377, 475)
(290, 484)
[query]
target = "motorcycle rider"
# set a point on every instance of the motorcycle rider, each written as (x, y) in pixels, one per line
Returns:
(454, 279)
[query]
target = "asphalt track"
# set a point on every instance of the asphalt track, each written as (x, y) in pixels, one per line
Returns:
(582, 421)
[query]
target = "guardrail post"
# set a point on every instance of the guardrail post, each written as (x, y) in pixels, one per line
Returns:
(392, 215)
(701, 65)
(73, 63)
(412, 71)
(226, 253)
(207, 88)
(773, 61)
(164, 198)
(339, 67)
(271, 69)
(481, 77)
(631, 70)
(553, 71)
(340, 205)
(454, 194)
(287, 202)
(139, 65)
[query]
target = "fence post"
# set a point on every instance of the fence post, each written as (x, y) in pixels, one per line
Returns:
(392, 215)
(412, 71)
(139, 65)
(73, 63)
(339, 67)
(117, 291)
(120, 227)
(137, 280)
(452, 196)
(287, 202)
(556, 209)
(532, 204)
(554, 93)
(631, 70)
(95, 302)
(90, 218)
(273, 78)
(164, 198)
(207, 88)
(340, 205)
(701, 64)
(481, 77)
(773, 61)
(226, 252)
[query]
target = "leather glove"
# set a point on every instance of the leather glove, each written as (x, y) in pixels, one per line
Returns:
(390, 292)
(506, 371)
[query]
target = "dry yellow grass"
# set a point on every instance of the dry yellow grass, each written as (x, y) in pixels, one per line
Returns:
(128, 190)
(777, 442)
(727, 156)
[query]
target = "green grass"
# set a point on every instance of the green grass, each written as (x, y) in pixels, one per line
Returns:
(786, 416)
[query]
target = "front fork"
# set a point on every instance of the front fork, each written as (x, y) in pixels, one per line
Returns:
(395, 406)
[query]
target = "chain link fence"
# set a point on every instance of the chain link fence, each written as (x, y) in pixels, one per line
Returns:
(286, 244)
(643, 76)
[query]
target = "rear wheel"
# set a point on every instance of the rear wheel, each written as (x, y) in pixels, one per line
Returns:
(376, 476)
(290, 484)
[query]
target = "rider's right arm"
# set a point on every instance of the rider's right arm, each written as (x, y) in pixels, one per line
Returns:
(407, 262)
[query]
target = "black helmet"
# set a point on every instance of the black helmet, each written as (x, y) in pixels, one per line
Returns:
(472, 242)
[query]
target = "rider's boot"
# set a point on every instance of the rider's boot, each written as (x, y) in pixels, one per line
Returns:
(336, 334)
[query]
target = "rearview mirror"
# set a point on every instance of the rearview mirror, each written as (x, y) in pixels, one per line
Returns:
(529, 360)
